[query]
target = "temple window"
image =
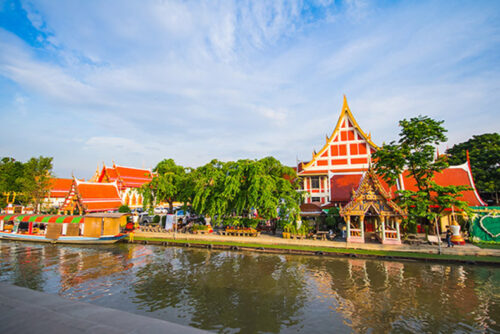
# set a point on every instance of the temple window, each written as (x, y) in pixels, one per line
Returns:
(315, 199)
(315, 182)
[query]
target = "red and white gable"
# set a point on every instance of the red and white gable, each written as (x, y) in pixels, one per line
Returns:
(346, 151)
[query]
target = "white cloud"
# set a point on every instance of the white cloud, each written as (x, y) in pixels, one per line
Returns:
(235, 79)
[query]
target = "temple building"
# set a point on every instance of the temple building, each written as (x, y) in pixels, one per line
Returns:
(334, 172)
(340, 175)
(128, 181)
(59, 188)
(86, 197)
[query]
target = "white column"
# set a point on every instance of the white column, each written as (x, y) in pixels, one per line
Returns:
(384, 218)
(397, 230)
(348, 230)
(362, 226)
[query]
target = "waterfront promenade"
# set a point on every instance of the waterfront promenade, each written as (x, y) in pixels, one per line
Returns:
(28, 311)
(270, 240)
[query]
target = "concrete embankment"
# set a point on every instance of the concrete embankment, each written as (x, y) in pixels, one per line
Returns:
(266, 243)
(27, 311)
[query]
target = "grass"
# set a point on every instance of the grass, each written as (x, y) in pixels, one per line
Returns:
(487, 245)
(339, 251)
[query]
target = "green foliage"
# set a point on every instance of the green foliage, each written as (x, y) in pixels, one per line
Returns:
(124, 209)
(199, 227)
(11, 171)
(415, 152)
(166, 186)
(484, 153)
(156, 219)
(333, 218)
(35, 181)
(220, 189)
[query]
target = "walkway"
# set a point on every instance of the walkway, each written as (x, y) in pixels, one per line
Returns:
(265, 239)
(28, 311)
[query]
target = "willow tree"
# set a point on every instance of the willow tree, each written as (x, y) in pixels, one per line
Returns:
(222, 189)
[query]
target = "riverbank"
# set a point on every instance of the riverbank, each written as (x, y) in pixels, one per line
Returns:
(266, 243)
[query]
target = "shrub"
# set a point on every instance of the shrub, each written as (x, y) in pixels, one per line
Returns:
(124, 208)
(156, 219)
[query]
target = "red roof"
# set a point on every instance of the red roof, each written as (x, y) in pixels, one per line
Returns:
(451, 176)
(98, 196)
(342, 186)
(133, 177)
(127, 177)
(60, 187)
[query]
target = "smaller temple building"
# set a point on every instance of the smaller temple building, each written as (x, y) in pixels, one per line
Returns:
(371, 213)
(85, 197)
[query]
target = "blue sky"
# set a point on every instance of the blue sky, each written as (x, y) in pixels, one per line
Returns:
(138, 81)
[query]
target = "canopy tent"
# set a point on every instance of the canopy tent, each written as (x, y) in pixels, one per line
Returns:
(43, 218)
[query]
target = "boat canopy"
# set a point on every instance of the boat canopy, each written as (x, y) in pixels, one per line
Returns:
(43, 218)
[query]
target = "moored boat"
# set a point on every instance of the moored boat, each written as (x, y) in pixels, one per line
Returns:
(94, 228)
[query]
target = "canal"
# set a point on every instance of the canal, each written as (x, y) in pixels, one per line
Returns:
(243, 292)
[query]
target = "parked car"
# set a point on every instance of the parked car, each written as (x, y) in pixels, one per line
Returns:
(160, 210)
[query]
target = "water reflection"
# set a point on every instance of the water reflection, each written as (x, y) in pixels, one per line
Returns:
(250, 292)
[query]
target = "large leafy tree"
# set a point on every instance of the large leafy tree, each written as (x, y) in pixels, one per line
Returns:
(220, 189)
(484, 152)
(166, 185)
(11, 171)
(414, 153)
(35, 181)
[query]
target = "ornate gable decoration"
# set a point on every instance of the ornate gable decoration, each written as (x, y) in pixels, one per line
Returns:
(348, 147)
(371, 194)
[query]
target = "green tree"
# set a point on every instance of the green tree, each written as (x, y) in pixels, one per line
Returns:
(221, 189)
(484, 152)
(166, 185)
(11, 171)
(415, 154)
(36, 180)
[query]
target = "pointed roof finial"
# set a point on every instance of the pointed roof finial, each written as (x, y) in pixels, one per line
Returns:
(345, 106)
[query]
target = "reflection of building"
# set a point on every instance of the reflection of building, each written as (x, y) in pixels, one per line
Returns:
(128, 181)
(59, 188)
(85, 197)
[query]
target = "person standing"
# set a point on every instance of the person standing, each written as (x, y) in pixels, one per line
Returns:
(448, 237)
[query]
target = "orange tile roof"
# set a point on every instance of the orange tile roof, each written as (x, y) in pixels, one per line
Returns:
(60, 187)
(98, 196)
(453, 175)
(133, 177)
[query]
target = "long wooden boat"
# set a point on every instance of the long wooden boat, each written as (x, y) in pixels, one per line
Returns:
(95, 228)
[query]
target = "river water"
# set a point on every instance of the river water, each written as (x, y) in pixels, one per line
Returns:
(243, 292)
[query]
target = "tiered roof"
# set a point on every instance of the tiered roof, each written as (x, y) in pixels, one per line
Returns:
(93, 196)
(59, 188)
(126, 177)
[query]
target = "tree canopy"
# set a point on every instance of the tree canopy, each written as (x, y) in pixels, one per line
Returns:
(166, 185)
(415, 153)
(484, 152)
(36, 179)
(11, 171)
(220, 189)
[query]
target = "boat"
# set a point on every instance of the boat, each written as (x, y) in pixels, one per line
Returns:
(94, 228)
